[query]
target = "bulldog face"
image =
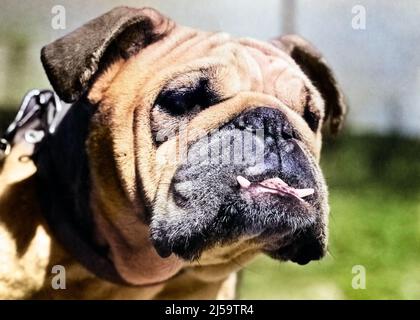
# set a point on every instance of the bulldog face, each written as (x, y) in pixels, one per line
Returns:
(251, 175)
(203, 146)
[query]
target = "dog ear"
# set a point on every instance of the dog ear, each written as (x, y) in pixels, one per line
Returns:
(72, 61)
(316, 69)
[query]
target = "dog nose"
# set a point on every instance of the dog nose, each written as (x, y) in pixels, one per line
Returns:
(271, 120)
(280, 140)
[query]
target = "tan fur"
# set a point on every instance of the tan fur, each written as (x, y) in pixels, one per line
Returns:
(121, 150)
(24, 243)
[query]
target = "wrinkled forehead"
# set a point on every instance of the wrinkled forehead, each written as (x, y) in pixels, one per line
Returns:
(276, 73)
(230, 65)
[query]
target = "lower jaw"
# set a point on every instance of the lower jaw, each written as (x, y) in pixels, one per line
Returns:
(241, 251)
(220, 270)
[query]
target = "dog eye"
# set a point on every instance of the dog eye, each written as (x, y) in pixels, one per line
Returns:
(181, 101)
(312, 118)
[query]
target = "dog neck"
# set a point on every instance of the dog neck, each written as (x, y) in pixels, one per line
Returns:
(102, 233)
(62, 158)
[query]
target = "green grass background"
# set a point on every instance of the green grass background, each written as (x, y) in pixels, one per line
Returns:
(374, 185)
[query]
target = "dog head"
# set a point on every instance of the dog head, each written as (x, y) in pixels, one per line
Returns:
(203, 148)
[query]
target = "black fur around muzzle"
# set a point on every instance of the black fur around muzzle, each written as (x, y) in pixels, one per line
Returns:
(207, 208)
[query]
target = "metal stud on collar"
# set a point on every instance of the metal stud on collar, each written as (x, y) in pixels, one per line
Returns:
(37, 117)
(4, 148)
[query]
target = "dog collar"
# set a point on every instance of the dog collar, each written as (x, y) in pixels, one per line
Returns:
(45, 122)
(39, 114)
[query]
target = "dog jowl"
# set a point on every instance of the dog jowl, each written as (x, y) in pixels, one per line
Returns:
(254, 178)
(201, 146)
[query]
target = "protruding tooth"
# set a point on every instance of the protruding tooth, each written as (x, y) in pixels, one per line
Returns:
(301, 193)
(243, 182)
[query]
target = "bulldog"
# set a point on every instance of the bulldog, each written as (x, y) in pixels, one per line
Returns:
(184, 155)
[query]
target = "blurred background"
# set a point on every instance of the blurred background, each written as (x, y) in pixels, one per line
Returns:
(372, 168)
